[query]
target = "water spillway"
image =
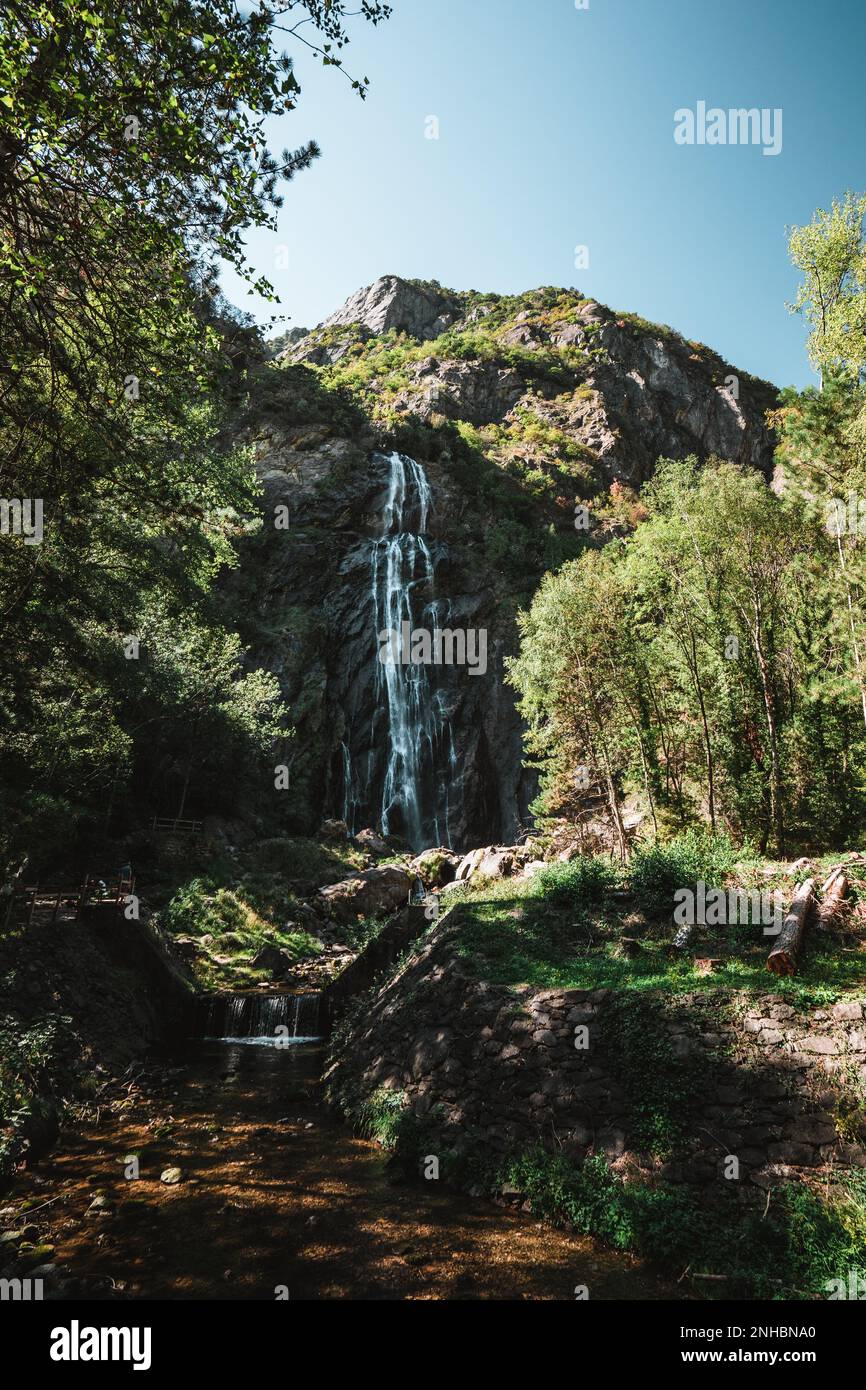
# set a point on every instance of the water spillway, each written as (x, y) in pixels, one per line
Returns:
(275, 1020)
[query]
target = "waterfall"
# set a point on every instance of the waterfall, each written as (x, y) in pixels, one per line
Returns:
(274, 1019)
(350, 800)
(419, 754)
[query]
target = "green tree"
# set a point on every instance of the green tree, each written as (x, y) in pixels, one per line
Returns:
(132, 157)
(822, 434)
(831, 254)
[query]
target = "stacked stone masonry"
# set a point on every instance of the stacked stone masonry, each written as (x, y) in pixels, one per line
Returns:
(496, 1069)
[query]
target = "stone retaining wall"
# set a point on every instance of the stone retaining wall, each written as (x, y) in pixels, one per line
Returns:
(376, 956)
(495, 1069)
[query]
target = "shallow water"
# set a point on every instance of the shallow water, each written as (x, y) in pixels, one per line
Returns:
(277, 1194)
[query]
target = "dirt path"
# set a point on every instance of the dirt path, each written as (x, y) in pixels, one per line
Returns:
(277, 1193)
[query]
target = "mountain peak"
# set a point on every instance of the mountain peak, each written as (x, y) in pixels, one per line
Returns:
(421, 309)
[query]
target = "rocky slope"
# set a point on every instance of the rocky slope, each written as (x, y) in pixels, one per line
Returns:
(639, 392)
(534, 419)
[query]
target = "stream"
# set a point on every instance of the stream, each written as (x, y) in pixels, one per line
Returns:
(279, 1198)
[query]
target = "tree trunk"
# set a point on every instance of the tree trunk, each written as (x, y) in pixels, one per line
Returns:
(635, 720)
(783, 958)
(708, 747)
(834, 909)
(772, 734)
(854, 643)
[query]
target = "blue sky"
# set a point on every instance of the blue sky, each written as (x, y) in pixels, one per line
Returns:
(556, 130)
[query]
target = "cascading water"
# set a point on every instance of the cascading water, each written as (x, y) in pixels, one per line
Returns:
(273, 1019)
(350, 799)
(419, 760)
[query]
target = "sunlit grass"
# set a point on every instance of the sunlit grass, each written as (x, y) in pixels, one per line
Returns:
(563, 929)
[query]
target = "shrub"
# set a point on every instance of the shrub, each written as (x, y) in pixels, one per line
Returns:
(381, 1116)
(29, 1059)
(584, 880)
(657, 871)
(792, 1250)
(200, 907)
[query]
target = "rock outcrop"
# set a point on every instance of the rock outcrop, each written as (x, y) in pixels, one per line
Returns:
(372, 893)
(647, 393)
(422, 311)
(435, 867)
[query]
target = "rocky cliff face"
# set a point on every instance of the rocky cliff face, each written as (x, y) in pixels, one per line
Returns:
(423, 312)
(515, 413)
(640, 391)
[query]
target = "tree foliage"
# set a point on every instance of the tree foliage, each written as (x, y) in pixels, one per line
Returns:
(712, 663)
(132, 157)
(697, 665)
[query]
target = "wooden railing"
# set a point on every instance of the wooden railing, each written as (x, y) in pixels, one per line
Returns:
(31, 898)
(174, 825)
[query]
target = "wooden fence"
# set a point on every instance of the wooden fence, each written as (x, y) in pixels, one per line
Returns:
(93, 893)
(175, 826)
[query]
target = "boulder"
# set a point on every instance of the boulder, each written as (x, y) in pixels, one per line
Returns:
(187, 947)
(273, 960)
(497, 864)
(370, 840)
(334, 830)
(435, 867)
(307, 918)
(492, 862)
(369, 894)
(469, 863)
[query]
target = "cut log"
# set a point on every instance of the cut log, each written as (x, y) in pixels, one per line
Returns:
(783, 958)
(833, 908)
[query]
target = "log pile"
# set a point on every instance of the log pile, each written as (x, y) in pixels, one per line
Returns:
(784, 956)
(828, 915)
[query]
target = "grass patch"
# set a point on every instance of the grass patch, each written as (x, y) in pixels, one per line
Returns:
(237, 931)
(562, 929)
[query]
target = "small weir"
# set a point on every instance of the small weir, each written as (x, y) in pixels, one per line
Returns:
(271, 1020)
